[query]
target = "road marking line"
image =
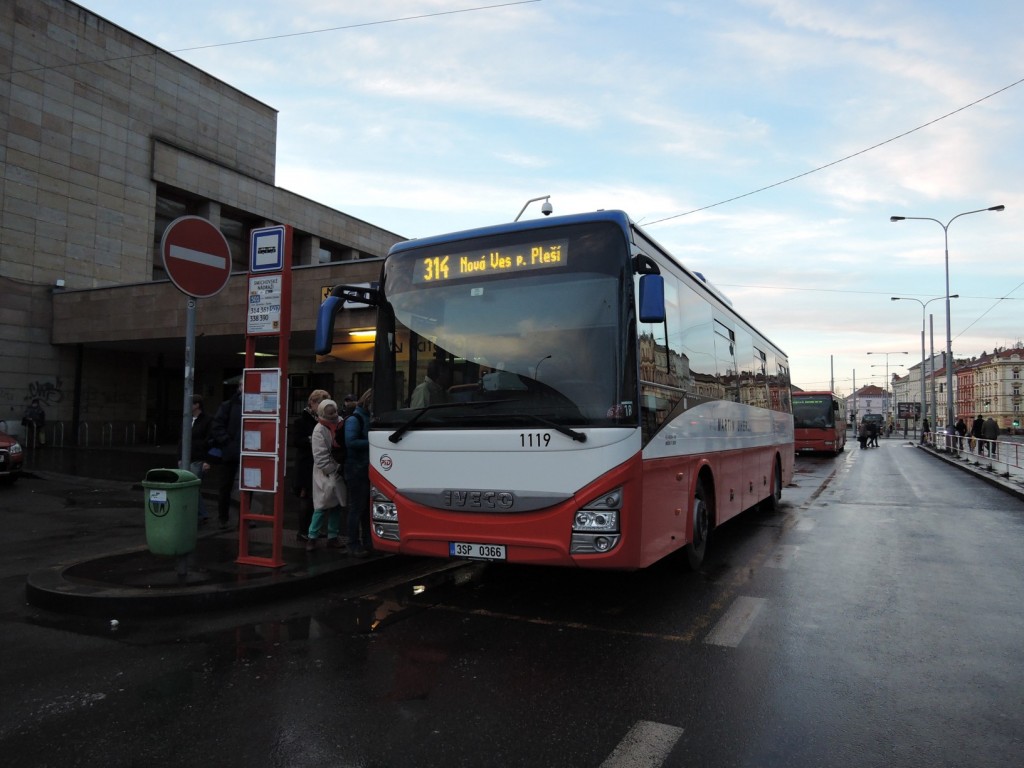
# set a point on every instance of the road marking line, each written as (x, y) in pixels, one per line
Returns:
(736, 622)
(647, 745)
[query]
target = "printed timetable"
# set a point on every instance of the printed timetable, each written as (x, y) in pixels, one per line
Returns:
(546, 254)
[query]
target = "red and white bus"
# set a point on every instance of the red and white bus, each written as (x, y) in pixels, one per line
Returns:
(595, 403)
(819, 422)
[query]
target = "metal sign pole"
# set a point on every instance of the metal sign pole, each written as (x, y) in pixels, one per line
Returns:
(190, 358)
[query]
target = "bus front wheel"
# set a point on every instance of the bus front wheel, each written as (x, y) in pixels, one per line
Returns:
(693, 553)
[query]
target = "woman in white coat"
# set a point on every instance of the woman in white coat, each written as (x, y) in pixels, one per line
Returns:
(330, 496)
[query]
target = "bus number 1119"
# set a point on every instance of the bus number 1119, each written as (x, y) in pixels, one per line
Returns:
(535, 439)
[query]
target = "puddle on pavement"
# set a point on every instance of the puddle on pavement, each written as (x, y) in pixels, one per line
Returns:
(337, 617)
(344, 618)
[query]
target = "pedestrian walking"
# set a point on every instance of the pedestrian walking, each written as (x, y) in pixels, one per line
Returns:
(34, 420)
(976, 433)
(990, 431)
(873, 434)
(862, 434)
(961, 431)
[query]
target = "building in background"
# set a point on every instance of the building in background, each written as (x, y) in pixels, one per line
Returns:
(869, 399)
(106, 140)
(990, 385)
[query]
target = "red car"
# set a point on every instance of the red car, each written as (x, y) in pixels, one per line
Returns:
(11, 458)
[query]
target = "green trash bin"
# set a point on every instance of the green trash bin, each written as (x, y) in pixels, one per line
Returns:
(172, 511)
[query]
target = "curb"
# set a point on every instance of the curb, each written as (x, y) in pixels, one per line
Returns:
(60, 589)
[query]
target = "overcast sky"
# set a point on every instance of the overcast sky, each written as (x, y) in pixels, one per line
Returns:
(764, 142)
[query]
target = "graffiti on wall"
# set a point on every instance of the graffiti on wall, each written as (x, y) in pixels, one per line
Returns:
(48, 393)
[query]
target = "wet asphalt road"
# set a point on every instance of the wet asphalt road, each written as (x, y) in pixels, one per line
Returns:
(874, 620)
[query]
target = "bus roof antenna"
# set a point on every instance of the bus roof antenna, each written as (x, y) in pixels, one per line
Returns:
(546, 209)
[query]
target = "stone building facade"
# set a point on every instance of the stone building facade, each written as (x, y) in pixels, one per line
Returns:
(106, 140)
(992, 385)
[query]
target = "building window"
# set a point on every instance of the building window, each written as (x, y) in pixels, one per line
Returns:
(236, 226)
(170, 205)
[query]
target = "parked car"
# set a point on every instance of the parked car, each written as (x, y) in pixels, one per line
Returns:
(11, 458)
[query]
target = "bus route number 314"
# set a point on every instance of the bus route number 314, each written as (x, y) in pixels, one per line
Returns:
(473, 551)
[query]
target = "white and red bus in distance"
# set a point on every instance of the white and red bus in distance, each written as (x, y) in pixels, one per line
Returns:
(819, 422)
(597, 404)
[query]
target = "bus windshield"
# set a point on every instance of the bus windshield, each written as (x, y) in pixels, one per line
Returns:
(813, 412)
(511, 330)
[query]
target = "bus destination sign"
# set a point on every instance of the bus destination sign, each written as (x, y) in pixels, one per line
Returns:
(496, 261)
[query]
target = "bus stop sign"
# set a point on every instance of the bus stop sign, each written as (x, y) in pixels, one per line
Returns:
(196, 256)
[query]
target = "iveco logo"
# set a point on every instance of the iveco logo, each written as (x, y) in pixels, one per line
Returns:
(478, 499)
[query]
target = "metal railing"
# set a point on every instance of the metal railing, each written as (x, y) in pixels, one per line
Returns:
(111, 433)
(1004, 457)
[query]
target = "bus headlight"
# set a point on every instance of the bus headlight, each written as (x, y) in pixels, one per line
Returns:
(383, 515)
(595, 527)
(592, 520)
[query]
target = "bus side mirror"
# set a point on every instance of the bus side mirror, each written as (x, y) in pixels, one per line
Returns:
(835, 405)
(652, 299)
(324, 339)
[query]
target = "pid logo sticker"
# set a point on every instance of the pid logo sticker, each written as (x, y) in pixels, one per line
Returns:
(385, 462)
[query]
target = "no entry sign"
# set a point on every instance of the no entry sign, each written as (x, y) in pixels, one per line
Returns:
(196, 256)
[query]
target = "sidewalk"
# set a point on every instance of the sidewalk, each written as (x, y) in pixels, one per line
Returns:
(1012, 482)
(137, 582)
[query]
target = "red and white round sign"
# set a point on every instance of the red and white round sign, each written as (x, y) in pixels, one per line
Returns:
(196, 256)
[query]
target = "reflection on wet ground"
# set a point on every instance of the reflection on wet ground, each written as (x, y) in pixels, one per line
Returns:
(349, 616)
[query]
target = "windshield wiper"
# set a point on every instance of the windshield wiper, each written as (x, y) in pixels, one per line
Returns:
(397, 434)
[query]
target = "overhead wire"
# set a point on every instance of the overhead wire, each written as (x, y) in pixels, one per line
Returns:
(840, 160)
(283, 35)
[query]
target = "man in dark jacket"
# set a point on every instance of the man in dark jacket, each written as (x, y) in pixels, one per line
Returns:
(976, 429)
(990, 431)
(226, 433)
(961, 431)
(357, 477)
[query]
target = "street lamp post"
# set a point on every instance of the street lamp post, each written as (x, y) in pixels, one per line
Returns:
(887, 369)
(888, 385)
(924, 304)
(949, 333)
